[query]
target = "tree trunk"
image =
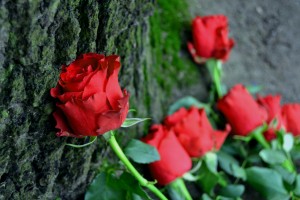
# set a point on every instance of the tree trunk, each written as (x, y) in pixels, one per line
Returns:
(36, 38)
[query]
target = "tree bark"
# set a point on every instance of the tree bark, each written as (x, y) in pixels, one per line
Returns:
(36, 38)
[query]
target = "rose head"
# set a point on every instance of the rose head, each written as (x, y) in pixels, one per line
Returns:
(272, 106)
(291, 116)
(241, 110)
(174, 160)
(90, 100)
(195, 132)
(210, 38)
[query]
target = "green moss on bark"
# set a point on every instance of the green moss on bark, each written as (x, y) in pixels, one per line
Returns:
(37, 37)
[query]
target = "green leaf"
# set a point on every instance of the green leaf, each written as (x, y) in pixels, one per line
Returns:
(272, 156)
(253, 89)
(132, 110)
(207, 179)
(232, 191)
(105, 186)
(141, 152)
(297, 187)
(230, 165)
(177, 190)
(187, 102)
(206, 197)
(131, 185)
(92, 140)
(211, 161)
(267, 182)
(287, 176)
(133, 121)
(288, 142)
(190, 177)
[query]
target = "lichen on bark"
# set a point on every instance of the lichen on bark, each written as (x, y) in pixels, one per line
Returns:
(36, 38)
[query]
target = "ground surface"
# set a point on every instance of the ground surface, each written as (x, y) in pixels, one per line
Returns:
(267, 35)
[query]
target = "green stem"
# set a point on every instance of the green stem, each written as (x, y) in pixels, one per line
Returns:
(215, 69)
(179, 186)
(117, 149)
(289, 164)
(258, 135)
(217, 79)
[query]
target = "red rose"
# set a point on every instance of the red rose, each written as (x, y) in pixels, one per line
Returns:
(272, 106)
(291, 117)
(194, 131)
(174, 160)
(90, 100)
(210, 38)
(241, 111)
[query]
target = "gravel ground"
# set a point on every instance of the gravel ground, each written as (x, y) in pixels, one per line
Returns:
(267, 50)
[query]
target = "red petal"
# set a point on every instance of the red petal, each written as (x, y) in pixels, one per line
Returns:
(241, 110)
(175, 117)
(291, 116)
(174, 161)
(220, 136)
(96, 84)
(80, 119)
(112, 120)
(203, 38)
(62, 125)
(113, 89)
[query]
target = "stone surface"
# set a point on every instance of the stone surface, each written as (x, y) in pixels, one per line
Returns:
(36, 38)
(267, 43)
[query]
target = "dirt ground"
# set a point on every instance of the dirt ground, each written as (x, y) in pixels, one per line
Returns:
(267, 35)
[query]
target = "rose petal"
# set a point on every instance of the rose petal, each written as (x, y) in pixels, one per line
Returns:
(175, 117)
(113, 90)
(81, 120)
(220, 136)
(112, 120)
(291, 116)
(174, 161)
(241, 110)
(203, 38)
(95, 85)
(62, 125)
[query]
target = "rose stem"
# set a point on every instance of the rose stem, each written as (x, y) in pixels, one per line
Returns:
(178, 184)
(117, 149)
(215, 70)
(217, 78)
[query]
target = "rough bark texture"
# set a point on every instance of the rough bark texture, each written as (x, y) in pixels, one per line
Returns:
(36, 38)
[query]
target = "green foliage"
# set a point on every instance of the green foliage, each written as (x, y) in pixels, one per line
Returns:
(141, 152)
(107, 186)
(132, 121)
(230, 165)
(272, 156)
(297, 186)
(267, 182)
(187, 102)
(168, 23)
(232, 191)
(208, 180)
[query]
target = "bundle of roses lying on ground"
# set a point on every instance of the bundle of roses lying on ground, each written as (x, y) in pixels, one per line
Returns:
(233, 141)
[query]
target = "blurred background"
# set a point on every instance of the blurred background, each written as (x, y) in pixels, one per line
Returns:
(37, 37)
(267, 43)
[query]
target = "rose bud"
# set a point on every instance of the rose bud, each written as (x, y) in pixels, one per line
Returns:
(272, 106)
(210, 38)
(195, 132)
(241, 110)
(174, 160)
(90, 100)
(291, 117)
